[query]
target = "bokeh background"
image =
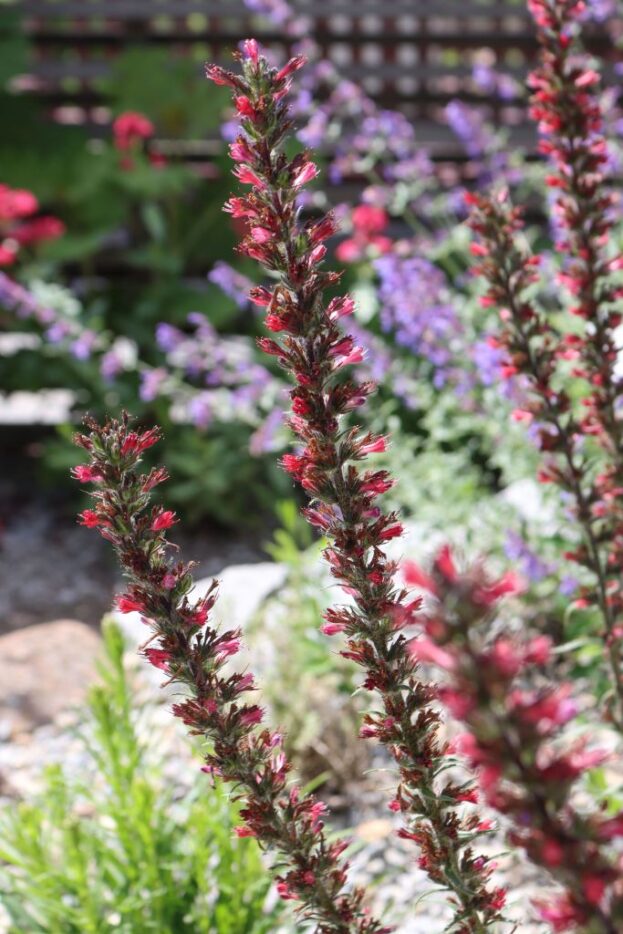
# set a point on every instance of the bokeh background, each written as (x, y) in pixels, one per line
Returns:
(120, 288)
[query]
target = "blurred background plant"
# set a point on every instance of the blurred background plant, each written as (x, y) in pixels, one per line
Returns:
(119, 287)
(122, 289)
(126, 152)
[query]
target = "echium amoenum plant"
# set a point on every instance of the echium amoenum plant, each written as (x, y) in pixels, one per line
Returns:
(525, 740)
(581, 439)
(343, 496)
(494, 683)
(218, 704)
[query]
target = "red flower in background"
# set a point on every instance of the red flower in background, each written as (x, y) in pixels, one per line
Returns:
(38, 229)
(130, 128)
(369, 222)
(15, 205)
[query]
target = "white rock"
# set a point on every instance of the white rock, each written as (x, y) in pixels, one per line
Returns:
(243, 588)
(527, 498)
(45, 407)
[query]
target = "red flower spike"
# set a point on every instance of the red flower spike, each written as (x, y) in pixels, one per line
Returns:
(297, 309)
(198, 659)
(574, 435)
(526, 770)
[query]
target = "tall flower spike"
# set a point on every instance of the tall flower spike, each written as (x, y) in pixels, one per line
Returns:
(314, 350)
(582, 447)
(499, 687)
(193, 654)
(583, 207)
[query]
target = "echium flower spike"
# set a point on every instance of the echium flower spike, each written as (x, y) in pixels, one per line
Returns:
(217, 704)
(570, 121)
(309, 343)
(515, 713)
(566, 83)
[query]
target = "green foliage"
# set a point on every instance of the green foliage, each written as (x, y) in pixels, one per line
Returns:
(115, 850)
(172, 90)
(213, 473)
(140, 240)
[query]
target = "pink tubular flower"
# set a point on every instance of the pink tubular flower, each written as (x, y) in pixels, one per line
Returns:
(163, 519)
(369, 220)
(343, 500)
(415, 576)
(134, 443)
(331, 629)
(509, 584)
(251, 716)
(228, 647)
(85, 474)
(8, 254)
(374, 446)
(16, 203)
(245, 175)
(244, 107)
(368, 223)
(340, 308)
(251, 50)
(127, 604)
(261, 234)
(240, 151)
(195, 656)
(90, 518)
(37, 230)
(158, 658)
(305, 174)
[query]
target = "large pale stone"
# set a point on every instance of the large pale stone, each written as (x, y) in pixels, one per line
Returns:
(243, 589)
(45, 671)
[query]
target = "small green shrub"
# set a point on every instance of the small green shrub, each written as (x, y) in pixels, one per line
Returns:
(114, 850)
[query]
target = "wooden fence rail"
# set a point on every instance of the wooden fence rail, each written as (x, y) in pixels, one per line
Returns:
(412, 54)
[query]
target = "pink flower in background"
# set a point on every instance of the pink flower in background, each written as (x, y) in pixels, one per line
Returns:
(369, 222)
(130, 128)
(15, 205)
(38, 229)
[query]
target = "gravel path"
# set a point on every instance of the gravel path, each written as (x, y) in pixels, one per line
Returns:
(51, 568)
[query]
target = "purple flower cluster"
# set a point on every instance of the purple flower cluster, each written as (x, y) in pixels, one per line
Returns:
(417, 309)
(233, 283)
(488, 360)
(210, 376)
(601, 10)
(491, 81)
(469, 125)
(280, 13)
(533, 567)
(204, 375)
(486, 148)
(58, 324)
